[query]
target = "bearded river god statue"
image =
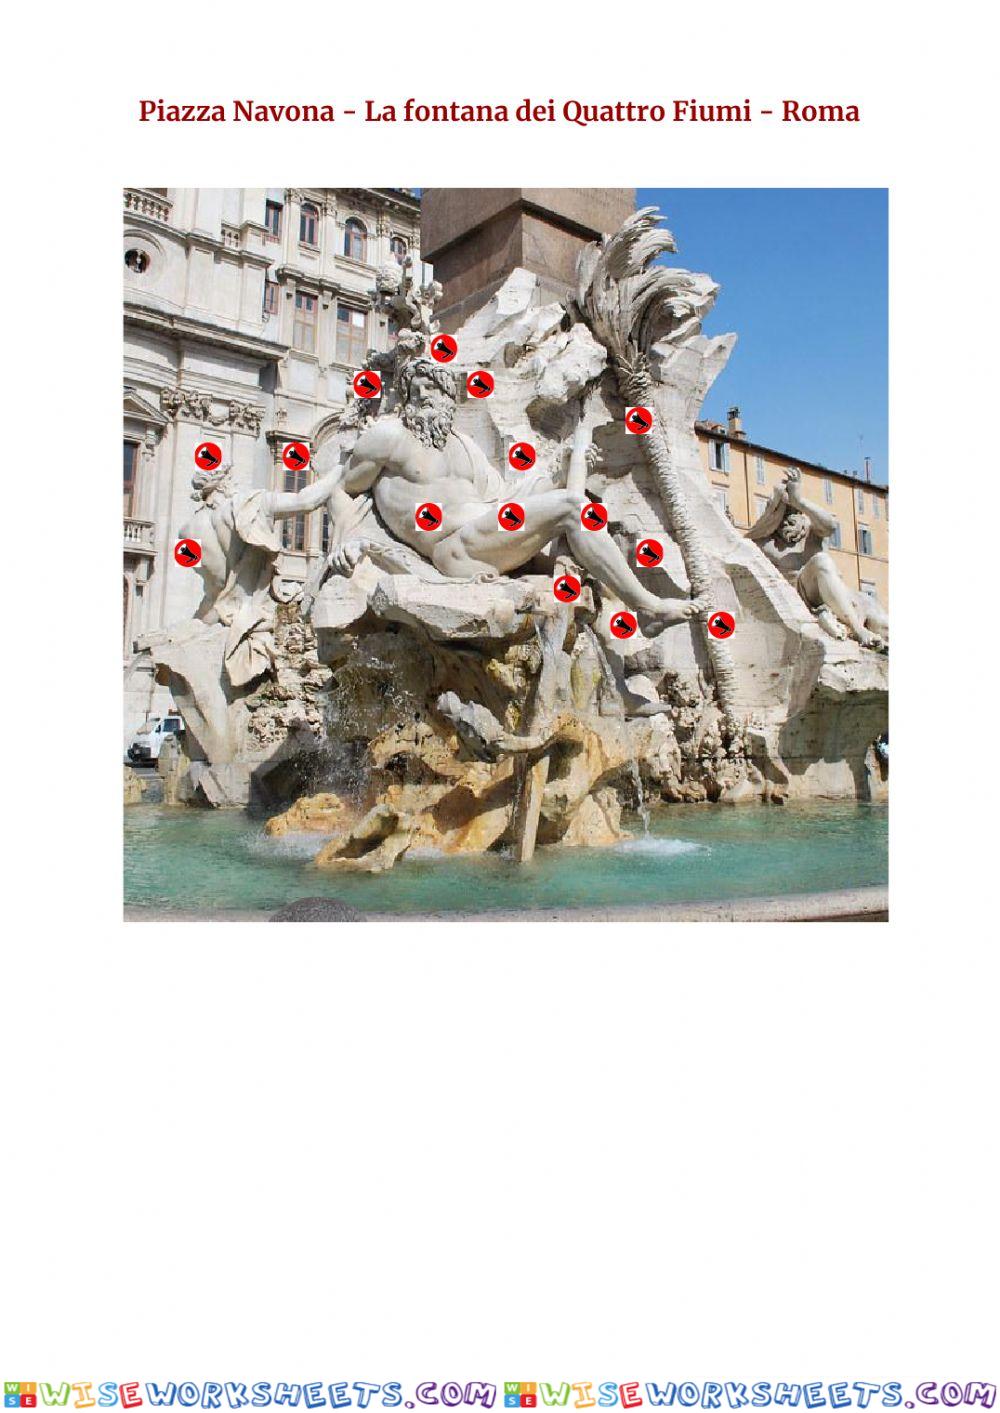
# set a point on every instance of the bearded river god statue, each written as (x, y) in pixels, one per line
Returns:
(482, 660)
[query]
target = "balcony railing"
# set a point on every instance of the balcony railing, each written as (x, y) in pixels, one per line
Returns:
(139, 536)
(147, 203)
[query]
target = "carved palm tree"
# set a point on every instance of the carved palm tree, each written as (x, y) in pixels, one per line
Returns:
(629, 307)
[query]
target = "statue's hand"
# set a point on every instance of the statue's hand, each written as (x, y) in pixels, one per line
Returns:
(793, 486)
(346, 557)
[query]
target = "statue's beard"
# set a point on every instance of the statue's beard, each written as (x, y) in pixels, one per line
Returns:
(794, 533)
(430, 425)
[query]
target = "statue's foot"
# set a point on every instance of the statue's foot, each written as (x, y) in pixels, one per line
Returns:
(873, 641)
(830, 623)
(668, 613)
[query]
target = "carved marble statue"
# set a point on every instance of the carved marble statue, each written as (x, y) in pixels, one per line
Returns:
(417, 456)
(792, 532)
(430, 684)
(240, 543)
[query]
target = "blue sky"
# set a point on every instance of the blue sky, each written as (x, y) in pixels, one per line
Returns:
(804, 285)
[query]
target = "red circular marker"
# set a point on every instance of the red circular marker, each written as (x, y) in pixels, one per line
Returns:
(187, 553)
(295, 455)
(522, 456)
(367, 383)
(208, 456)
(428, 516)
(479, 383)
(721, 624)
(510, 516)
(443, 348)
(593, 516)
(623, 623)
(566, 588)
(638, 420)
(649, 553)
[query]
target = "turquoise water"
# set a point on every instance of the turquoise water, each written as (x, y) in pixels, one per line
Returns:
(189, 860)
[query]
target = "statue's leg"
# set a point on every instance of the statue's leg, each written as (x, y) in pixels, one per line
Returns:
(875, 616)
(599, 554)
(480, 547)
(481, 542)
(820, 583)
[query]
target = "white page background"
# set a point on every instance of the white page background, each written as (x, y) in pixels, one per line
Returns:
(579, 1152)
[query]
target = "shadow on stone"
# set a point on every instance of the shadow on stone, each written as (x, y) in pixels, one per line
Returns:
(316, 910)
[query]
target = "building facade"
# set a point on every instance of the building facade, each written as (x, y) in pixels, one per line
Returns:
(246, 316)
(742, 474)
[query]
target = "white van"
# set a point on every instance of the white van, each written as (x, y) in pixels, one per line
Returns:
(148, 740)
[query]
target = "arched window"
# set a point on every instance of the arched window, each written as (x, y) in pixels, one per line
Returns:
(397, 248)
(309, 224)
(355, 240)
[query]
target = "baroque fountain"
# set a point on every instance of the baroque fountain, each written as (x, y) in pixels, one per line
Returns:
(483, 661)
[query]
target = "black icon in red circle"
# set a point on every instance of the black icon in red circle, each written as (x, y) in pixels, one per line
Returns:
(479, 383)
(649, 553)
(367, 383)
(623, 624)
(428, 516)
(638, 420)
(522, 456)
(510, 516)
(566, 588)
(593, 516)
(721, 624)
(187, 553)
(295, 455)
(208, 456)
(443, 348)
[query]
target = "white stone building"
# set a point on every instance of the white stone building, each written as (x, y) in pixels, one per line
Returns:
(246, 316)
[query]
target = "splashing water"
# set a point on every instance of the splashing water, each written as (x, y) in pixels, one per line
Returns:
(642, 808)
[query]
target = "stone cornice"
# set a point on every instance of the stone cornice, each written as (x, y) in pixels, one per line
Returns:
(188, 330)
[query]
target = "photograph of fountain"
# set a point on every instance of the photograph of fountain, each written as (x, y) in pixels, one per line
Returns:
(444, 598)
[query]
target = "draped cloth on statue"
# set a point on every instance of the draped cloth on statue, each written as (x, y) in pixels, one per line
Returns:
(245, 604)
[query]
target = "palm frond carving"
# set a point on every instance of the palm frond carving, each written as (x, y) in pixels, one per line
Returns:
(629, 306)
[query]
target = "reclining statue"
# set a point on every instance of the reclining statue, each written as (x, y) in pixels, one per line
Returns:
(414, 455)
(791, 532)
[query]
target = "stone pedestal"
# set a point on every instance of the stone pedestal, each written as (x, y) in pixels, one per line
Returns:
(476, 237)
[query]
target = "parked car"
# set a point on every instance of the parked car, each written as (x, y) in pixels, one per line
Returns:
(148, 741)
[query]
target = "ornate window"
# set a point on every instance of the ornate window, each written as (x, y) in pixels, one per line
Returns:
(272, 219)
(304, 326)
(355, 239)
(293, 530)
(271, 304)
(352, 335)
(309, 224)
(397, 249)
(131, 470)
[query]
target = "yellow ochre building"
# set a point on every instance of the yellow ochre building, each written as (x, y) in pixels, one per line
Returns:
(743, 474)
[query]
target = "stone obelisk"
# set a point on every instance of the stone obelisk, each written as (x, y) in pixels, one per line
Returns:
(474, 237)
